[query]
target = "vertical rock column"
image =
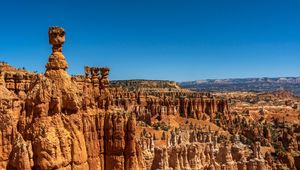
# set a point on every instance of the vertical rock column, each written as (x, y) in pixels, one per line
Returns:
(121, 150)
(56, 60)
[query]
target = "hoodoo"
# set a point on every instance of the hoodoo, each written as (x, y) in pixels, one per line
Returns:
(57, 121)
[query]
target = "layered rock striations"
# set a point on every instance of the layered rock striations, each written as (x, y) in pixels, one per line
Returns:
(54, 127)
(57, 121)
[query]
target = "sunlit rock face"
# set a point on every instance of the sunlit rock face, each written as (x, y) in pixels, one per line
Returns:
(59, 125)
(57, 121)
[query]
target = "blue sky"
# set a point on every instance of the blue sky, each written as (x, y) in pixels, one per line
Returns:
(158, 39)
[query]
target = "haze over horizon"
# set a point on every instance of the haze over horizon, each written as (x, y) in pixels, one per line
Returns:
(169, 40)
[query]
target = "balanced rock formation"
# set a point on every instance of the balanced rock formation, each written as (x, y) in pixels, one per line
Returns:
(57, 121)
(54, 128)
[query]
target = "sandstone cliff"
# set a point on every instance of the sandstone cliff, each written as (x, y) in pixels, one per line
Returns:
(57, 121)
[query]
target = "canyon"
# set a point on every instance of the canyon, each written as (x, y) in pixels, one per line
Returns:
(57, 121)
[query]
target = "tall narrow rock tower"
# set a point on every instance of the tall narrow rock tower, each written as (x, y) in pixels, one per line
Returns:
(57, 63)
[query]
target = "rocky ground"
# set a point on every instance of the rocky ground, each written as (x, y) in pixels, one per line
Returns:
(57, 121)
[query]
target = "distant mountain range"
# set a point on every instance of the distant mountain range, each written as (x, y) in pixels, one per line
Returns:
(265, 84)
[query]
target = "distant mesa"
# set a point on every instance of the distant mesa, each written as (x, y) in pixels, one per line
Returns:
(86, 122)
(246, 84)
